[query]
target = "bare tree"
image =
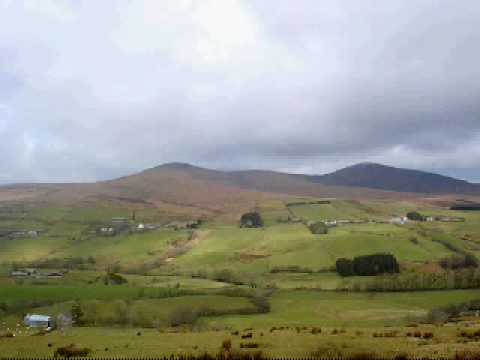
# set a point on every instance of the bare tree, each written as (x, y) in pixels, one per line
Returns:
(64, 323)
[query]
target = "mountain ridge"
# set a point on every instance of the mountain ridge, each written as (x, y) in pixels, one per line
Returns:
(188, 185)
(367, 175)
(384, 177)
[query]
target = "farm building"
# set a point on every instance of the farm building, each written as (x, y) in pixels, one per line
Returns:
(23, 272)
(19, 273)
(19, 234)
(42, 321)
(401, 220)
(107, 230)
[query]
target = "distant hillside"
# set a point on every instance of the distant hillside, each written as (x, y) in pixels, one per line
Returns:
(376, 176)
(184, 185)
(270, 182)
(193, 189)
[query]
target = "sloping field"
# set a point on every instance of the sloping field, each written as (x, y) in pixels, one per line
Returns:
(259, 250)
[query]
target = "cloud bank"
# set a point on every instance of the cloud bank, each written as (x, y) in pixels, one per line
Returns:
(94, 90)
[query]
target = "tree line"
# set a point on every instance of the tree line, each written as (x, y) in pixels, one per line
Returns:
(413, 281)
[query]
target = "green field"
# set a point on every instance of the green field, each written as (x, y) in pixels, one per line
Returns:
(221, 278)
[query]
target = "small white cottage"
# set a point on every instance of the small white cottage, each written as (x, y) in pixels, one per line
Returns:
(38, 321)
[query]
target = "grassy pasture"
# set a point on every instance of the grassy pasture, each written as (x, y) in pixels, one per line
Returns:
(247, 250)
(288, 342)
(118, 342)
(333, 309)
(249, 254)
(15, 293)
(259, 250)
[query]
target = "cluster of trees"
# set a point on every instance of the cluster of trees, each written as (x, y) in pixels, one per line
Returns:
(466, 207)
(459, 261)
(251, 220)
(367, 265)
(112, 278)
(415, 216)
(318, 228)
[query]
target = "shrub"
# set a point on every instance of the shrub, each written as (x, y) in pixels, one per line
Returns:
(182, 316)
(249, 345)
(316, 330)
(415, 216)
(261, 303)
(437, 316)
(77, 314)
(71, 351)
(344, 267)
(414, 240)
(225, 275)
(390, 334)
(251, 220)
(113, 278)
(226, 345)
(470, 334)
(459, 261)
(428, 335)
(318, 228)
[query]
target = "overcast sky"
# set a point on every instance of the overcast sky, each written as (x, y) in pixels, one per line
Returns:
(97, 89)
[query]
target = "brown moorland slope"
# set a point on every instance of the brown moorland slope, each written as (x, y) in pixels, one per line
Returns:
(184, 185)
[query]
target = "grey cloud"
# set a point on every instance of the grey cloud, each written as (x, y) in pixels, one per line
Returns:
(90, 91)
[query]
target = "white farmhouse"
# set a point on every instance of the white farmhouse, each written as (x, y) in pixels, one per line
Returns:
(401, 220)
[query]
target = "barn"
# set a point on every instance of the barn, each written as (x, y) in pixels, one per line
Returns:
(38, 321)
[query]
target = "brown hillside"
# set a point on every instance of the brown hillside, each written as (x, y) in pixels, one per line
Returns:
(183, 185)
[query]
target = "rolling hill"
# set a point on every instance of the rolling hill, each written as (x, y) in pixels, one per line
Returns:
(186, 185)
(377, 176)
(216, 192)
